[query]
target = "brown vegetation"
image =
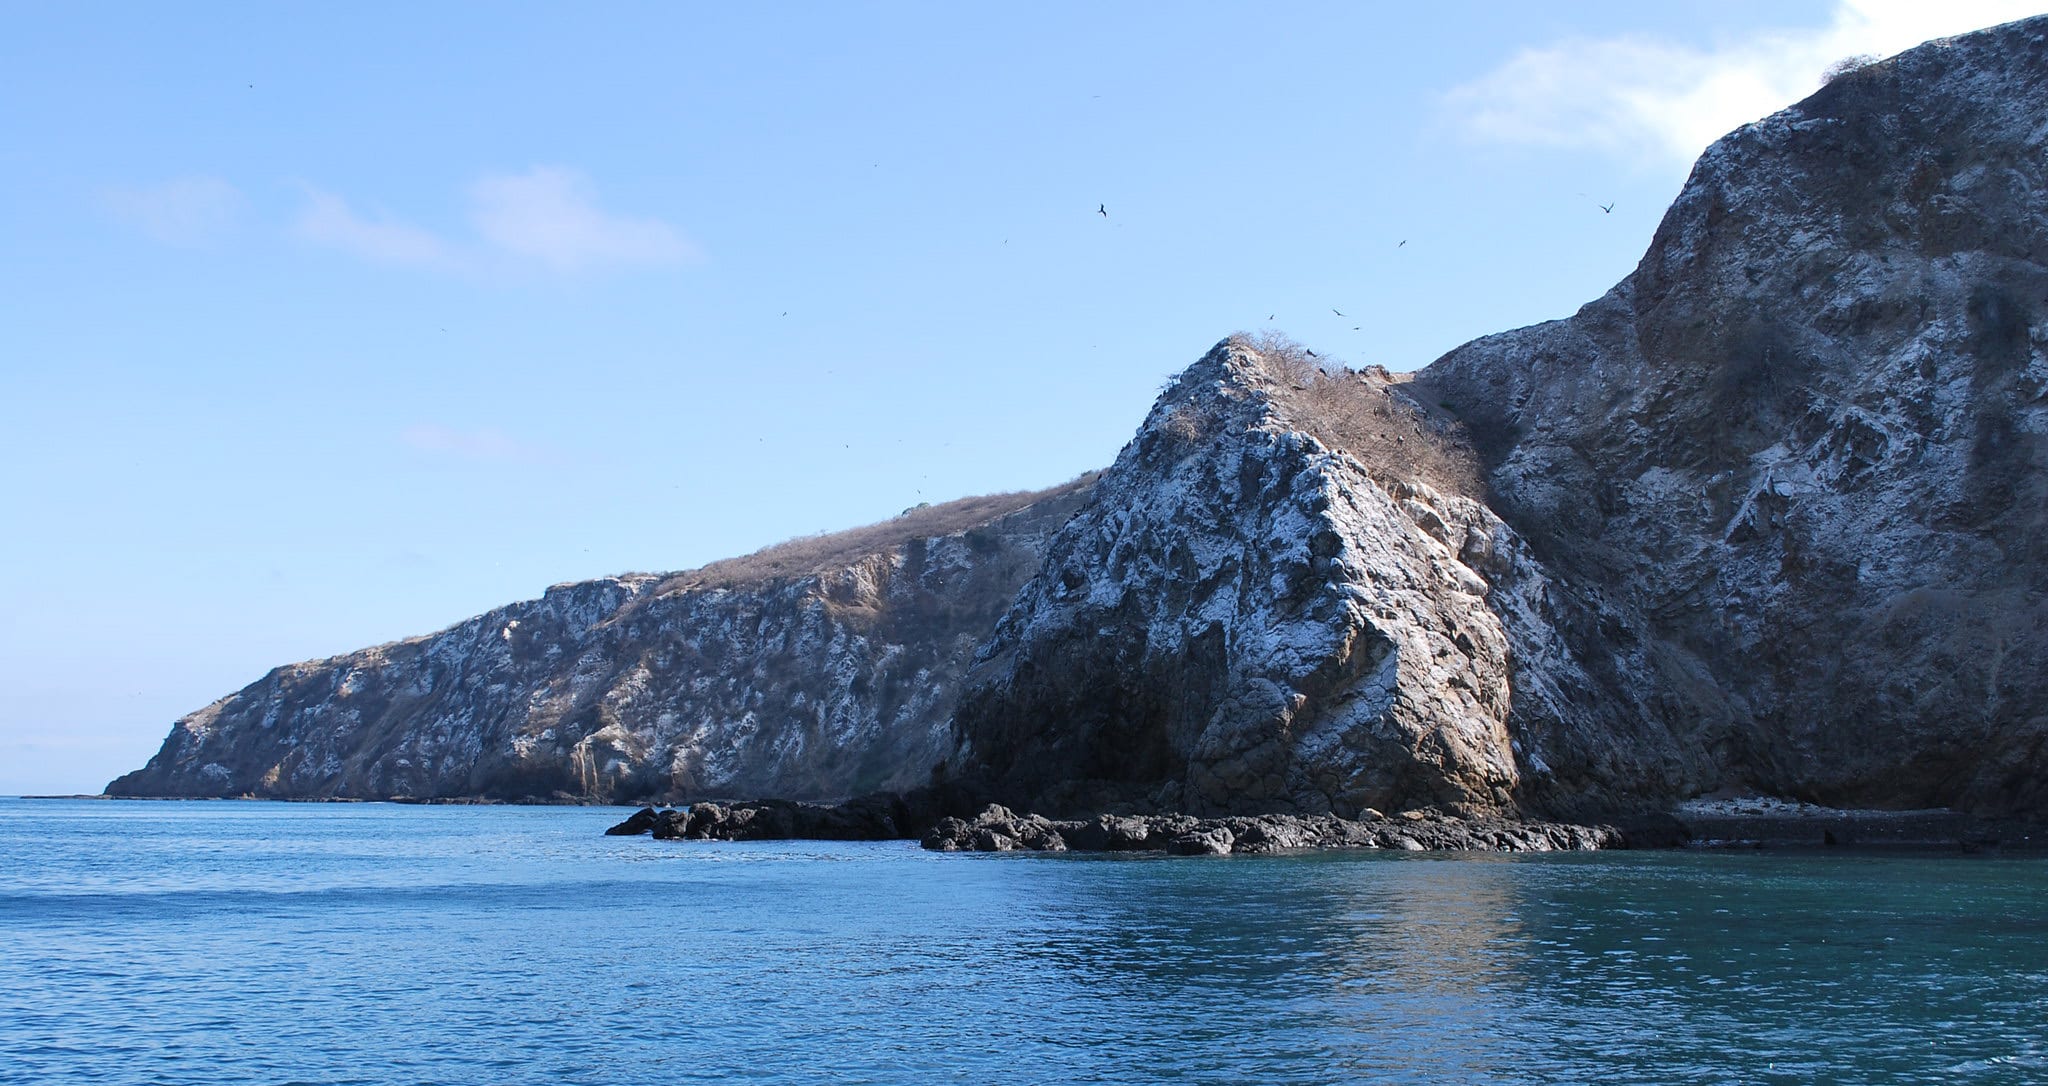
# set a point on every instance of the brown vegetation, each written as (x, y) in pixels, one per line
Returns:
(1361, 412)
(838, 550)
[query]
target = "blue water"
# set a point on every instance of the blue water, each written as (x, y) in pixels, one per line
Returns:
(245, 943)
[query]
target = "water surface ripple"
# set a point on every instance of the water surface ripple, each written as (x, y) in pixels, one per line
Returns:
(272, 943)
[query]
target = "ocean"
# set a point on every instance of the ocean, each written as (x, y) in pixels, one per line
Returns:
(197, 942)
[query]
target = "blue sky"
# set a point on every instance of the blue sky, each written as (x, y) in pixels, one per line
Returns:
(329, 326)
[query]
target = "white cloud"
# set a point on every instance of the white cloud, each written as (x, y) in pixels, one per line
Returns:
(547, 214)
(485, 444)
(329, 220)
(545, 218)
(1660, 101)
(181, 211)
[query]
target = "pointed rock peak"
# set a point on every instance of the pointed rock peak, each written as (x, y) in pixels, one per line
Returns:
(1399, 432)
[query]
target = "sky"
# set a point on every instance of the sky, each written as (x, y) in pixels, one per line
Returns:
(330, 325)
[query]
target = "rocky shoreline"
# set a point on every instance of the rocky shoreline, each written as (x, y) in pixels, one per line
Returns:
(1731, 825)
(997, 829)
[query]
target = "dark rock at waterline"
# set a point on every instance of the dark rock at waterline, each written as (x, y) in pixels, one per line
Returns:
(881, 817)
(998, 829)
(638, 822)
(1790, 825)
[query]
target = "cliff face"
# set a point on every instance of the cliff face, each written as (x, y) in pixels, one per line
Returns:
(1772, 516)
(1802, 452)
(747, 678)
(1277, 602)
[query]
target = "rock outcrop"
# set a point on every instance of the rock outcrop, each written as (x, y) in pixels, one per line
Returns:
(1772, 517)
(1795, 467)
(820, 669)
(1250, 618)
(997, 829)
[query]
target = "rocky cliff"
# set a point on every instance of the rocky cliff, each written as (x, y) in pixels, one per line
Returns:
(1771, 516)
(817, 669)
(1800, 457)
(1284, 599)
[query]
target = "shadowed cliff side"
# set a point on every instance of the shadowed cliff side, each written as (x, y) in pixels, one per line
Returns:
(1802, 452)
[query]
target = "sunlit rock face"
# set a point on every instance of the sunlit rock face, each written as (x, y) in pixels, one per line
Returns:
(1248, 618)
(730, 682)
(1798, 460)
(1771, 516)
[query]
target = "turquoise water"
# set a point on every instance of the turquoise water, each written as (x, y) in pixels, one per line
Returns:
(246, 943)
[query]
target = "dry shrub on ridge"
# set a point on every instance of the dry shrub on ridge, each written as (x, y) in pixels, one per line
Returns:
(812, 554)
(1361, 413)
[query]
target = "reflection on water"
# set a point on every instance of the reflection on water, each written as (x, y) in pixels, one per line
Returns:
(266, 943)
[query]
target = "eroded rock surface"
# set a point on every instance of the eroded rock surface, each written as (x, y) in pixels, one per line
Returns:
(732, 681)
(1246, 619)
(1772, 518)
(1796, 465)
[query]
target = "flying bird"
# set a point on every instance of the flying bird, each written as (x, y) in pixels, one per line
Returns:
(1404, 241)
(1337, 311)
(1607, 208)
(1102, 210)
(1312, 354)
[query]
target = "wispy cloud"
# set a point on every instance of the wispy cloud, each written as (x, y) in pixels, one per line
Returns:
(546, 218)
(1661, 102)
(329, 220)
(486, 444)
(181, 211)
(550, 215)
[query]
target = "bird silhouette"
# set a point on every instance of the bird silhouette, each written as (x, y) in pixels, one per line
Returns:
(1404, 241)
(1336, 310)
(1312, 354)
(1607, 208)
(1102, 210)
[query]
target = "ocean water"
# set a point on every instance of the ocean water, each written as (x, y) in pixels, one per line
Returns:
(274, 943)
